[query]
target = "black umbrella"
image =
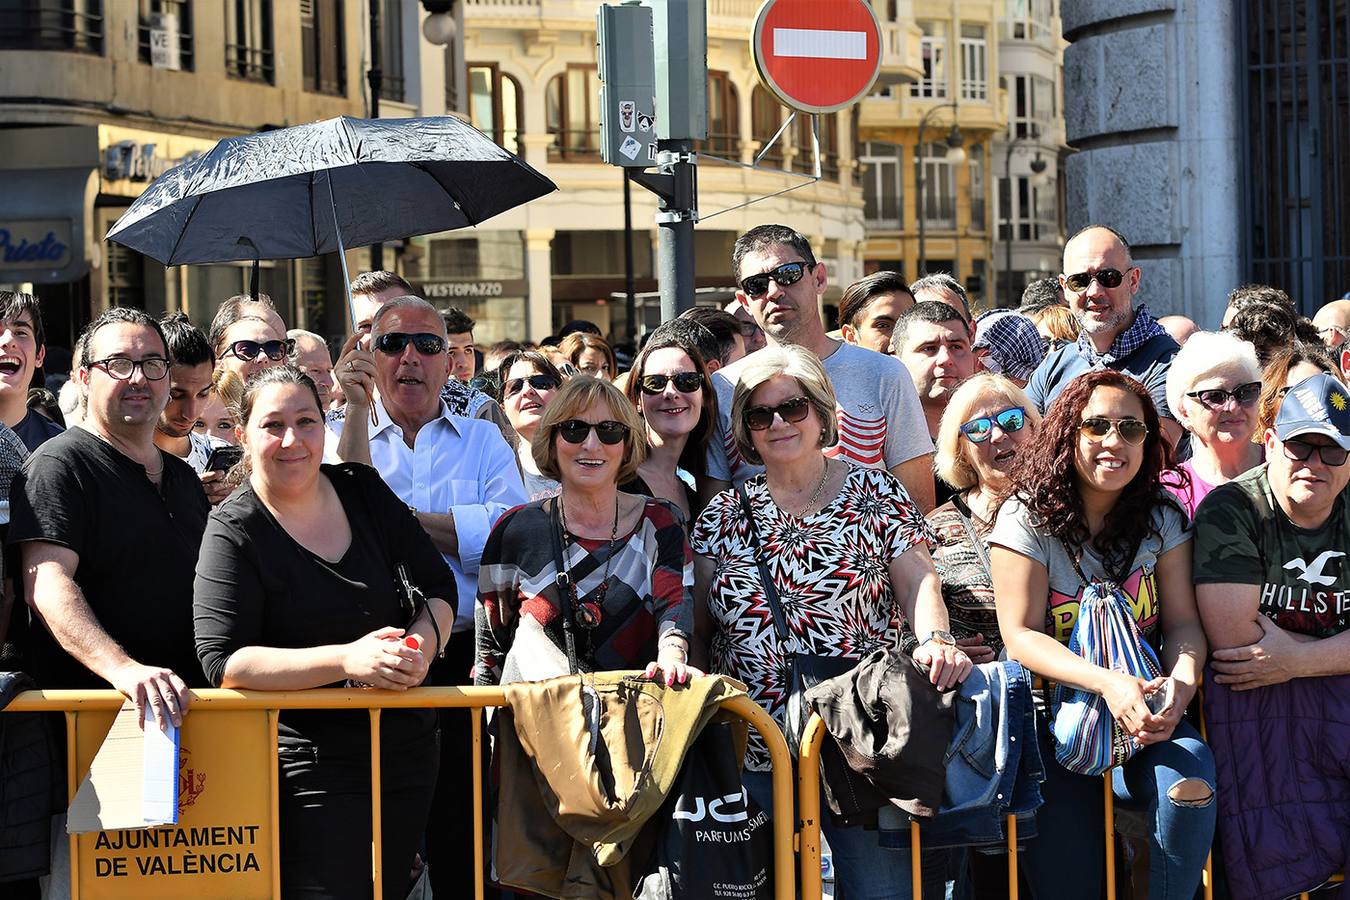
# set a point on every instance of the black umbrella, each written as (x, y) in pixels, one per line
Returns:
(318, 188)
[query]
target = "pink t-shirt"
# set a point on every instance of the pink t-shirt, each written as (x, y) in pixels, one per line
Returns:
(1191, 496)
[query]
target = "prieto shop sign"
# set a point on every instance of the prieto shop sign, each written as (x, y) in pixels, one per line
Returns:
(35, 244)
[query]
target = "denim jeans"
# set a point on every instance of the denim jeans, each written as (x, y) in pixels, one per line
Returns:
(1067, 859)
(863, 870)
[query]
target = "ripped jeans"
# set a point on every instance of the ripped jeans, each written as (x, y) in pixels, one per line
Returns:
(1067, 859)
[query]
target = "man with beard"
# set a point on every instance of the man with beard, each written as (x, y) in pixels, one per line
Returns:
(191, 365)
(22, 350)
(1100, 281)
(109, 527)
(458, 475)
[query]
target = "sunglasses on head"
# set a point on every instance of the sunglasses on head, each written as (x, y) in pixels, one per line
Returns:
(248, 350)
(1131, 431)
(1332, 455)
(574, 431)
(784, 275)
(1081, 281)
(758, 418)
(426, 343)
(539, 382)
(685, 382)
(977, 431)
(1216, 398)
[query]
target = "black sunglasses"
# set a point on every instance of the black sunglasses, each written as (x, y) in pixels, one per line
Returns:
(1131, 431)
(1081, 281)
(758, 418)
(1332, 455)
(977, 431)
(538, 382)
(685, 382)
(574, 431)
(248, 351)
(426, 343)
(1216, 398)
(784, 275)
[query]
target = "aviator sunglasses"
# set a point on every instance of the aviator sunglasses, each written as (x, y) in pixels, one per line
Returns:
(248, 350)
(784, 275)
(574, 431)
(426, 343)
(977, 431)
(1217, 398)
(1131, 431)
(685, 382)
(758, 418)
(1081, 281)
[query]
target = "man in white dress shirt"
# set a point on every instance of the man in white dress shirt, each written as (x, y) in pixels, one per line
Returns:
(459, 475)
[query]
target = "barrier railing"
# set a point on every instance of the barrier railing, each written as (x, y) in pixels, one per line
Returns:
(207, 702)
(809, 813)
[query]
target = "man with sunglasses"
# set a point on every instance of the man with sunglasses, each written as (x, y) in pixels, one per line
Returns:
(1332, 322)
(1272, 582)
(458, 475)
(109, 527)
(881, 423)
(1100, 281)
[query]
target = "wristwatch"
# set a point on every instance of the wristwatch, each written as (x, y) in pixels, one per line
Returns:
(943, 638)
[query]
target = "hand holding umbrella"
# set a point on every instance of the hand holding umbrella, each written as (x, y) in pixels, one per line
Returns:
(355, 371)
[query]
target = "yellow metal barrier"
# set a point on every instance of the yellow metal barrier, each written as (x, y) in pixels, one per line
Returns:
(808, 805)
(205, 702)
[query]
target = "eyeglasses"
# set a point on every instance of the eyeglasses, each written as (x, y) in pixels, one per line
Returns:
(1081, 281)
(685, 382)
(538, 382)
(1215, 398)
(749, 328)
(758, 418)
(1131, 431)
(977, 431)
(784, 275)
(1332, 455)
(119, 367)
(248, 350)
(426, 343)
(574, 431)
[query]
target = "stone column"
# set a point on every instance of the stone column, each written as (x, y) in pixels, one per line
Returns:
(539, 272)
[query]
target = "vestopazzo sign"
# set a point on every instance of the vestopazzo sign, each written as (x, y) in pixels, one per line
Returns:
(222, 844)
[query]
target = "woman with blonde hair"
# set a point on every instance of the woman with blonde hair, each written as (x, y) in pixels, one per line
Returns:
(987, 424)
(848, 545)
(626, 557)
(1212, 388)
(1056, 325)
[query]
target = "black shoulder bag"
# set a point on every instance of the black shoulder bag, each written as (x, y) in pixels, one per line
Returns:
(805, 670)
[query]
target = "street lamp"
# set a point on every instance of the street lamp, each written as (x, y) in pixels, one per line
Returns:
(955, 153)
(1038, 167)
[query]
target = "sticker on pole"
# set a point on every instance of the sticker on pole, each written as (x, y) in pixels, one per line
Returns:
(817, 57)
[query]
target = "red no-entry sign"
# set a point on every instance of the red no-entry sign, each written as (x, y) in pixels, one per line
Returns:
(817, 55)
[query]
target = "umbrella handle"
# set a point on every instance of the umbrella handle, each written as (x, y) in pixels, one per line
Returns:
(346, 279)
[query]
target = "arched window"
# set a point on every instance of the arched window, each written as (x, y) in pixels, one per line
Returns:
(724, 117)
(805, 160)
(977, 188)
(571, 111)
(766, 117)
(495, 105)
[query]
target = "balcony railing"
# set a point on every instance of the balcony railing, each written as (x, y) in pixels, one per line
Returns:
(33, 26)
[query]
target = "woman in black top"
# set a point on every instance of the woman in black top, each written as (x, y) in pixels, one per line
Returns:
(674, 395)
(296, 588)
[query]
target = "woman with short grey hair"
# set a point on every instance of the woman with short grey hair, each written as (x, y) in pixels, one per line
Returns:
(1213, 387)
(849, 548)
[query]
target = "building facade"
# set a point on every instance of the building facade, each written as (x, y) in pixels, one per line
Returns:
(1028, 157)
(927, 144)
(99, 97)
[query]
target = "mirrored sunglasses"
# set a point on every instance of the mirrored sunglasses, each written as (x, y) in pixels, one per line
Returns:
(1131, 431)
(977, 431)
(1081, 281)
(784, 275)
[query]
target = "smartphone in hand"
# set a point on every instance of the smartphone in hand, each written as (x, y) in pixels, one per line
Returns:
(222, 459)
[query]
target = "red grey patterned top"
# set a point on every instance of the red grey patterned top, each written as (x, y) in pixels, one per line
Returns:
(832, 573)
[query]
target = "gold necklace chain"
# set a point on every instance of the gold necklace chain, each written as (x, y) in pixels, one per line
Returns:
(820, 488)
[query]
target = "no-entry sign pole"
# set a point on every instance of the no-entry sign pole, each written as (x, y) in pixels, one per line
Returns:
(817, 56)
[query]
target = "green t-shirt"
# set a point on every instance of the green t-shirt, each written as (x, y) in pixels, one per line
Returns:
(1242, 536)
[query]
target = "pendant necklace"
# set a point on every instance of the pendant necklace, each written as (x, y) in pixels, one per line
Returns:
(588, 613)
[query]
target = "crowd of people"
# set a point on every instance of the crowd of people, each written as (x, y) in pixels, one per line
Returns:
(231, 507)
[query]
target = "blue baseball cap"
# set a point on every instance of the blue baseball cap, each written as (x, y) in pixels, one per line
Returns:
(1316, 405)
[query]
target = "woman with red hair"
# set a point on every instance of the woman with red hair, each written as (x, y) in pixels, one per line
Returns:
(1088, 503)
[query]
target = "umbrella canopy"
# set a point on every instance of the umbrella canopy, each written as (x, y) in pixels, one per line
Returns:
(317, 188)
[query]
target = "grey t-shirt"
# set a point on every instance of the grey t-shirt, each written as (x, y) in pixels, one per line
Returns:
(881, 423)
(1015, 530)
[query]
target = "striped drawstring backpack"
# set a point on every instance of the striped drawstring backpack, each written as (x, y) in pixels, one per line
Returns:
(1087, 738)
